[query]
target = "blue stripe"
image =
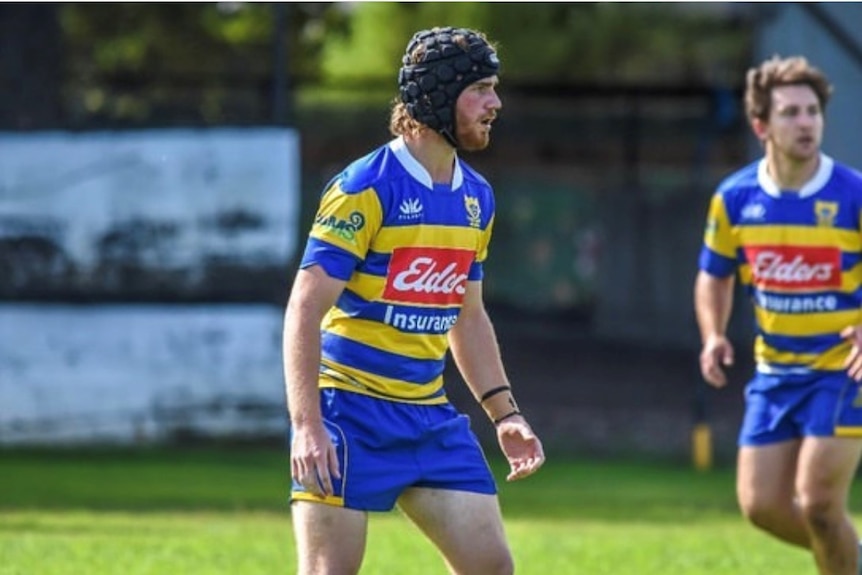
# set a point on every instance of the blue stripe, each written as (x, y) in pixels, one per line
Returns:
(843, 301)
(376, 263)
(354, 305)
(377, 362)
(716, 264)
(803, 344)
(337, 263)
(849, 260)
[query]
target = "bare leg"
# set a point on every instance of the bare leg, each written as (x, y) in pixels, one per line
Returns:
(766, 490)
(466, 527)
(827, 466)
(329, 540)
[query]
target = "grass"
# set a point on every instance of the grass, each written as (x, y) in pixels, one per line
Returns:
(209, 511)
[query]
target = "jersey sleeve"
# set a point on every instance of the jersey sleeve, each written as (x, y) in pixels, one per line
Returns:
(344, 225)
(718, 253)
(476, 272)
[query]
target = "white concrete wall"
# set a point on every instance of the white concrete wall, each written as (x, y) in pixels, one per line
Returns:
(79, 210)
(139, 373)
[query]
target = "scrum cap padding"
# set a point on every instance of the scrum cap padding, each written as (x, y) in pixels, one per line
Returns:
(430, 87)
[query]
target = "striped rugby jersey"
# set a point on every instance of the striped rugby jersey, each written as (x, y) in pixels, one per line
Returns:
(798, 256)
(406, 248)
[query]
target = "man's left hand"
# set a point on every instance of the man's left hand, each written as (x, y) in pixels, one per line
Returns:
(521, 446)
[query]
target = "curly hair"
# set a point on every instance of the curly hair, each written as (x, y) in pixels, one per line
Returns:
(778, 71)
(401, 123)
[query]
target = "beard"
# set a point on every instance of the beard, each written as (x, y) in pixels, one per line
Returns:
(473, 139)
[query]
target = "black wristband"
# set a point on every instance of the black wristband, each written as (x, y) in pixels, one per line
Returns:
(492, 392)
(512, 413)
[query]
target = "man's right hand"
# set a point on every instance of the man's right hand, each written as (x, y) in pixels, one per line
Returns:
(313, 461)
(717, 354)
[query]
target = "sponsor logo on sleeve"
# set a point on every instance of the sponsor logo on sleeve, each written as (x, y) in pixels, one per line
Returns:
(342, 228)
(711, 227)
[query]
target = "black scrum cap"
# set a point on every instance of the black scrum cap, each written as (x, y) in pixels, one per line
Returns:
(431, 86)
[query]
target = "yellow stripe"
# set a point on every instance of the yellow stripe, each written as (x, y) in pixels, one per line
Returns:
(455, 237)
(367, 286)
(385, 337)
(384, 387)
(329, 499)
(807, 323)
(718, 235)
(831, 359)
(846, 240)
(845, 431)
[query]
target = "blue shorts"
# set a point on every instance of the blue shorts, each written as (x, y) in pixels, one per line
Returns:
(384, 447)
(826, 405)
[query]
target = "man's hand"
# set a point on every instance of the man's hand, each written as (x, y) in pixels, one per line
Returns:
(313, 461)
(521, 447)
(717, 354)
(853, 363)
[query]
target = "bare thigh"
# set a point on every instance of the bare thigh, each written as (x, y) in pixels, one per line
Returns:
(766, 475)
(466, 527)
(827, 466)
(329, 540)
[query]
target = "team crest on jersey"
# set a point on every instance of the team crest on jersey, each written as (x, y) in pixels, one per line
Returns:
(825, 212)
(427, 276)
(474, 212)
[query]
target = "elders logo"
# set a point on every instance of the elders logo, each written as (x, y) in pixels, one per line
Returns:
(427, 276)
(795, 267)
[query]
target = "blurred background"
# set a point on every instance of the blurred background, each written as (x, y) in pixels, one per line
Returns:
(160, 165)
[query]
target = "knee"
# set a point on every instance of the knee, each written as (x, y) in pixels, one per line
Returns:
(503, 564)
(821, 514)
(762, 513)
(498, 563)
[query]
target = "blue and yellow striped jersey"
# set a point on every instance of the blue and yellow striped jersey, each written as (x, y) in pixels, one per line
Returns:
(406, 248)
(798, 256)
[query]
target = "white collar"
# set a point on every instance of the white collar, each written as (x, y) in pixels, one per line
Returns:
(811, 187)
(417, 170)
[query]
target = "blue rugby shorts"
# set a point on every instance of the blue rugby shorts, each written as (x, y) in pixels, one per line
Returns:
(826, 405)
(385, 447)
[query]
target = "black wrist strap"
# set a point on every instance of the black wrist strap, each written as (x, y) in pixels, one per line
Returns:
(492, 392)
(512, 413)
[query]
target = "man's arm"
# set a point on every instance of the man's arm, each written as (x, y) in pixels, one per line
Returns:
(476, 351)
(713, 301)
(312, 456)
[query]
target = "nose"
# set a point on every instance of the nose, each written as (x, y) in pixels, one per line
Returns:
(495, 103)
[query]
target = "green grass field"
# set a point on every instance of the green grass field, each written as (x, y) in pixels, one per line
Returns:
(209, 511)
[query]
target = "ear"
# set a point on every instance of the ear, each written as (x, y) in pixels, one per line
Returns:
(760, 129)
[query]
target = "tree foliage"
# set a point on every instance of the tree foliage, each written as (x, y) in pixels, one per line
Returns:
(219, 63)
(559, 42)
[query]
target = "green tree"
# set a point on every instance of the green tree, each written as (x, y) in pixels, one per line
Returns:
(560, 42)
